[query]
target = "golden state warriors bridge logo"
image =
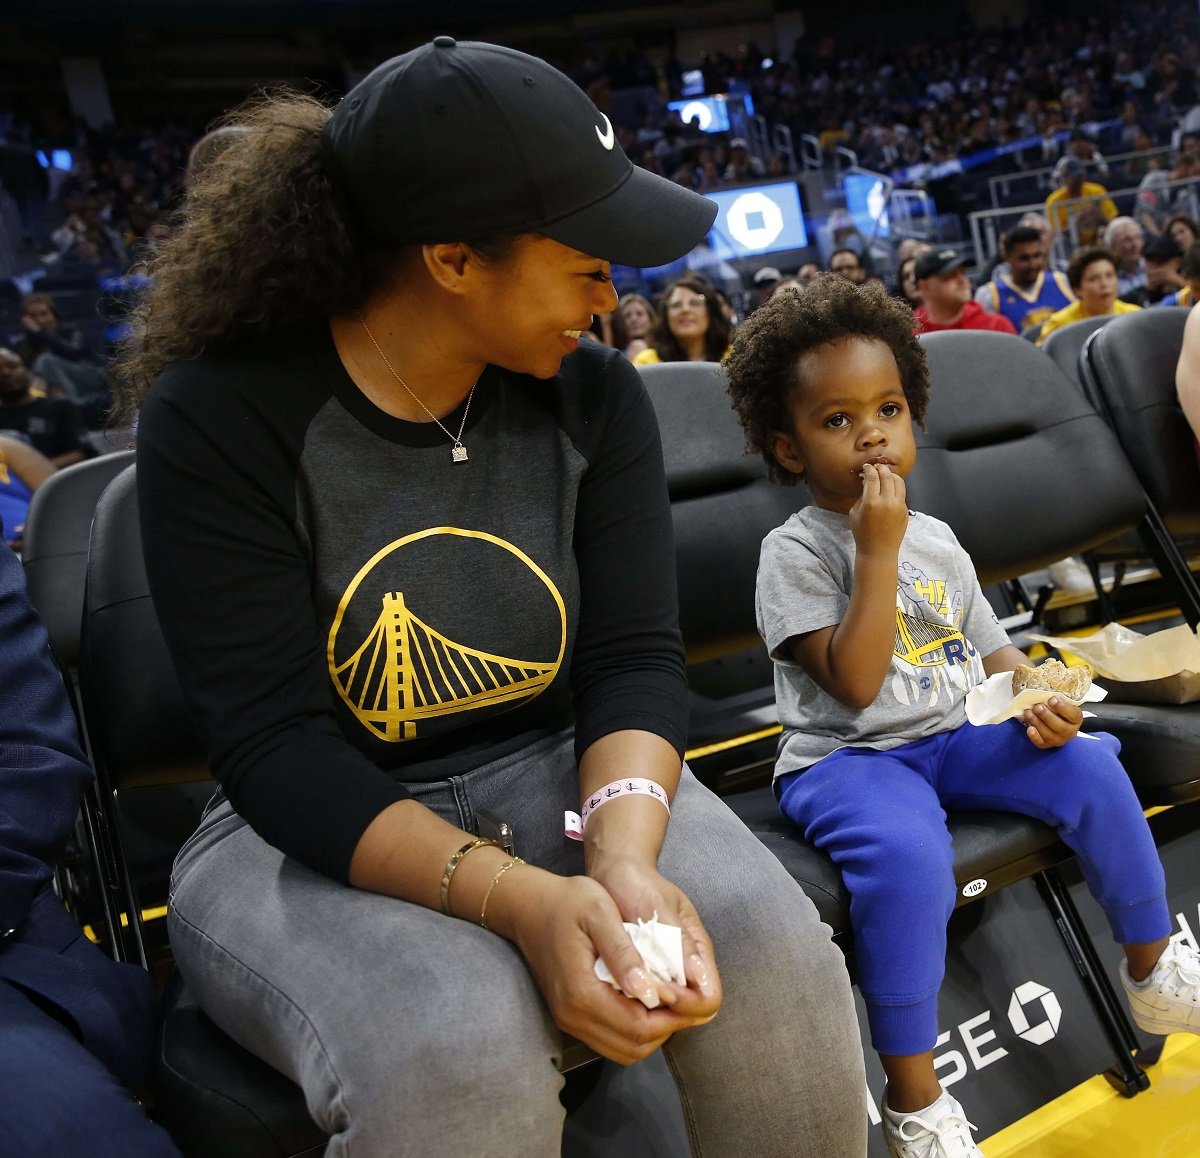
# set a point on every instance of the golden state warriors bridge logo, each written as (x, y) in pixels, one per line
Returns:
(406, 666)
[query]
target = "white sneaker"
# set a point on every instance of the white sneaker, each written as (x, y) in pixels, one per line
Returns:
(1168, 1001)
(939, 1131)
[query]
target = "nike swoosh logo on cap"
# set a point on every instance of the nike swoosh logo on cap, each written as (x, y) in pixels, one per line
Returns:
(606, 139)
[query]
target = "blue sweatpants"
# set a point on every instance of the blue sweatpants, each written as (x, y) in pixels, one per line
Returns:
(881, 817)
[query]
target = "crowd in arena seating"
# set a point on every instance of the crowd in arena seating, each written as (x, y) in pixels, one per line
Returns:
(1123, 79)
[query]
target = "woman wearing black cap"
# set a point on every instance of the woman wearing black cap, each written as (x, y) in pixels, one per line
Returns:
(411, 551)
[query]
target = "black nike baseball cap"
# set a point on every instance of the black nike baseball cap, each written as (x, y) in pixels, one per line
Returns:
(454, 141)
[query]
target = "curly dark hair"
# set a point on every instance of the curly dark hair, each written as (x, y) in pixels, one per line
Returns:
(762, 366)
(258, 243)
(263, 240)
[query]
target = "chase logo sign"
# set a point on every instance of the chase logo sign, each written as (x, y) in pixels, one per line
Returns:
(757, 219)
(1035, 998)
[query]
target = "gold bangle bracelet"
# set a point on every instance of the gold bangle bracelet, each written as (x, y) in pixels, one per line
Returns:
(495, 881)
(454, 862)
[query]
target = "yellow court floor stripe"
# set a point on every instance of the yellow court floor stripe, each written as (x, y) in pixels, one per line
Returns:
(733, 742)
(1094, 1121)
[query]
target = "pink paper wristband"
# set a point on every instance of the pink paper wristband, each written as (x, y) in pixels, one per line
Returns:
(634, 786)
(631, 787)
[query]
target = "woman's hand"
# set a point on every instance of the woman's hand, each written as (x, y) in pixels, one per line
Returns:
(561, 925)
(1052, 724)
(640, 891)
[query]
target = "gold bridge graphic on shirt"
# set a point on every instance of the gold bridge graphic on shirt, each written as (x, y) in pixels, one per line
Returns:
(923, 643)
(405, 671)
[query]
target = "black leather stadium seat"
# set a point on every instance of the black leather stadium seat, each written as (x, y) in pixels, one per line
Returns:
(721, 507)
(1066, 348)
(217, 1098)
(55, 546)
(1129, 376)
(1065, 345)
(1023, 468)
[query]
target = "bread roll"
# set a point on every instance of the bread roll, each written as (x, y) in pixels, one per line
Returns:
(1052, 676)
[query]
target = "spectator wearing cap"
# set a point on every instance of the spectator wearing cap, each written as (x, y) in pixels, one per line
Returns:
(765, 281)
(1078, 204)
(1189, 295)
(1093, 277)
(945, 293)
(848, 263)
(1125, 238)
(742, 164)
(412, 354)
(1162, 259)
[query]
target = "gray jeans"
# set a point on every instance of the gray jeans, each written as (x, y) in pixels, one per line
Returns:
(412, 1034)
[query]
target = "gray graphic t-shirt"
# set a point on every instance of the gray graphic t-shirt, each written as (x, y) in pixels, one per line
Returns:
(944, 628)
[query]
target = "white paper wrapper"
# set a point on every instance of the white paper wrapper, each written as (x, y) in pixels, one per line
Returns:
(1120, 654)
(992, 701)
(661, 947)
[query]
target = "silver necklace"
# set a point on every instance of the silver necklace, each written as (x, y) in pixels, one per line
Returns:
(458, 452)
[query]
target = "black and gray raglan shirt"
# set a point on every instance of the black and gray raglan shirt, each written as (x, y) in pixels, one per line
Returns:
(349, 609)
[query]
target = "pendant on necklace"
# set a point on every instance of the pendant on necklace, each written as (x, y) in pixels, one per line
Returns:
(458, 452)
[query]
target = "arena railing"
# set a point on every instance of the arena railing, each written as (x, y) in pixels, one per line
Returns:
(988, 225)
(1001, 187)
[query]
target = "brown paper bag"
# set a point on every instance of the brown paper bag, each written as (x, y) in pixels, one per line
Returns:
(1161, 668)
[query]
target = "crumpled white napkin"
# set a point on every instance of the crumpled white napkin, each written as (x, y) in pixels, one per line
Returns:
(992, 701)
(661, 947)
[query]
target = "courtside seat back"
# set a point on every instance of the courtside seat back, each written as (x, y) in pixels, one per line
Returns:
(140, 729)
(217, 1098)
(1065, 345)
(719, 495)
(55, 546)
(1130, 372)
(1015, 458)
